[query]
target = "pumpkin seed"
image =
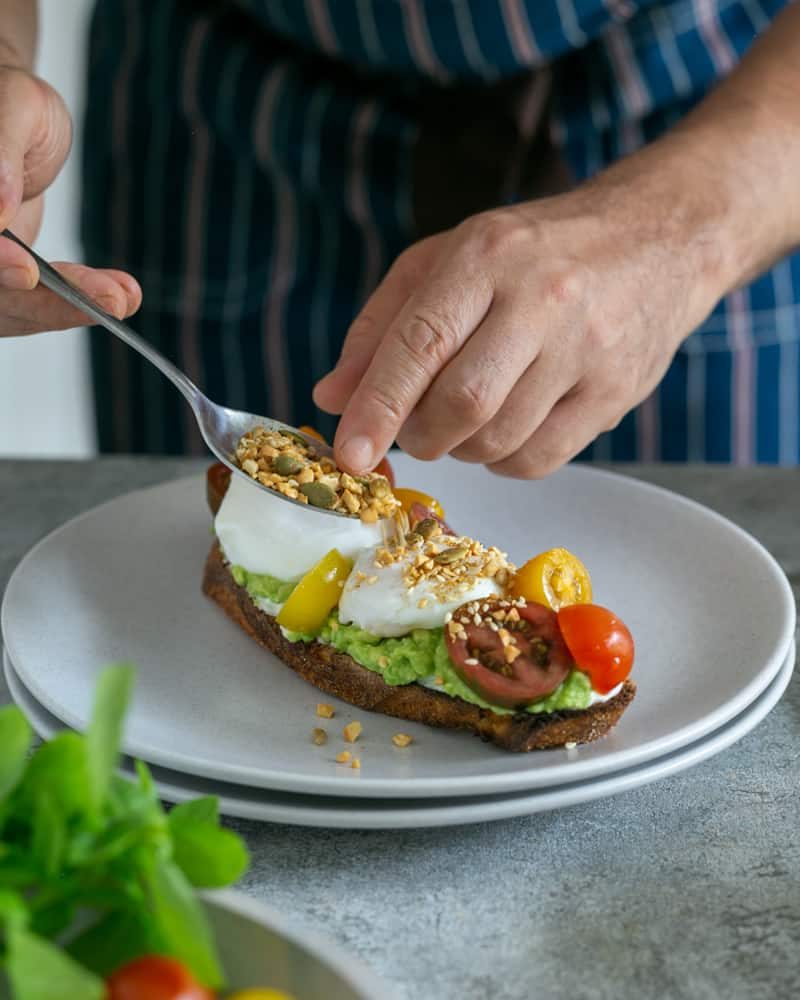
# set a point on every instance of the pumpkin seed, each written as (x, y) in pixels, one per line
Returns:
(288, 465)
(296, 437)
(413, 538)
(451, 555)
(428, 527)
(319, 494)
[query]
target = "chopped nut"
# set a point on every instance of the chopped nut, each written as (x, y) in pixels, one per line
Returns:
(402, 739)
(422, 602)
(350, 500)
(325, 711)
(356, 765)
(511, 653)
(379, 487)
(319, 736)
(352, 731)
(283, 460)
(343, 757)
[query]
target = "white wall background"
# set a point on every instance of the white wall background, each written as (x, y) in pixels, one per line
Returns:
(45, 394)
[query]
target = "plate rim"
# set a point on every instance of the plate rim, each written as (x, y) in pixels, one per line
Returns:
(361, 786)
(509, 805)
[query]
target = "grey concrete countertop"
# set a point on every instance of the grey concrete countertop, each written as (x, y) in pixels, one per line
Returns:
(687, 888)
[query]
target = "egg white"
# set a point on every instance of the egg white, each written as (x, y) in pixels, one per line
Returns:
(387, 608)
(262, 533)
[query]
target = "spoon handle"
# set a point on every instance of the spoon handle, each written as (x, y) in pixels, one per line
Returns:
(50, 278)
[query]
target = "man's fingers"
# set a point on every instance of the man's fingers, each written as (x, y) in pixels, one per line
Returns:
(573, 423)
(525, 409)
(38, 310)
(427, 333)
(35, 138)
(473, 387)
(333, 392)
(18, 270)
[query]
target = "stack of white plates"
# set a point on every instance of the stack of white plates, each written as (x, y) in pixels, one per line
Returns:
(711, 611)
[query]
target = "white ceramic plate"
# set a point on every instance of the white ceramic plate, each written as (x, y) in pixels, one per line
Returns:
(711, 611)
(395, 814)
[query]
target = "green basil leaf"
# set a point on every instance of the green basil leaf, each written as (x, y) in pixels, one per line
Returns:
(57, 769)
(13, 910)
(203, 810)
(104, 734)
(114, 941)
(180, 921)
(16, 736)
(49, 835)
(146, 784)
(209, 856)
(38, 970)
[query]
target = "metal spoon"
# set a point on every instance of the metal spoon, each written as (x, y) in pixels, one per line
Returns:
(221, 427)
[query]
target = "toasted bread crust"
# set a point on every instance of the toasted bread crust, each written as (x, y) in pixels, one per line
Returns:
(340, 675)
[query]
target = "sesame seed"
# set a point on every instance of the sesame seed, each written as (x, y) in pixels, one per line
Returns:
(471, 662)
(448, 617)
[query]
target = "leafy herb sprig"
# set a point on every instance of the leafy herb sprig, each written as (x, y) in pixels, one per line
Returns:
(93, 872)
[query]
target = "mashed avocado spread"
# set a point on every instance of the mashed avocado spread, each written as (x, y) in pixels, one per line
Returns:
(262, 585)
(419, 656)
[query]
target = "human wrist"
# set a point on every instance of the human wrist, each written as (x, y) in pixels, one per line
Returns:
(753, 159)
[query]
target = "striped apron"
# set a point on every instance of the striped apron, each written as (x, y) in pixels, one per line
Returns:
(258, 164)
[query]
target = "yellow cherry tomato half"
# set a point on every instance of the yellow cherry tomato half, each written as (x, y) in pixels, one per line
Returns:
(409, 497)
(312, 432)
(316, 595)
(554, 578)
(260, 994)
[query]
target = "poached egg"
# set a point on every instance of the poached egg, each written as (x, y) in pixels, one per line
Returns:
(377, 597)
(261, 532)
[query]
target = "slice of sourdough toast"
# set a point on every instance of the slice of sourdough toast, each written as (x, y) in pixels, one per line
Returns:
(340, 675)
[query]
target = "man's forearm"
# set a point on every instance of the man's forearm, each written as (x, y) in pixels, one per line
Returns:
(18, 30)
(747, 131)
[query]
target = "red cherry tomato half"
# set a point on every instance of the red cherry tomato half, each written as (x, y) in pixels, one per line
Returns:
(218, 478)
(600, 643)
(155, 978)
(525, 659)
(384, 468)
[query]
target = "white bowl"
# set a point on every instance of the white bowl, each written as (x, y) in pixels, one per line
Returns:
(259, 947)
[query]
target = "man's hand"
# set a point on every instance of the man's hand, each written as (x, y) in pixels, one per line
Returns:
(516, 338)
(35, 138)
(519, 336)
